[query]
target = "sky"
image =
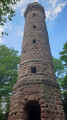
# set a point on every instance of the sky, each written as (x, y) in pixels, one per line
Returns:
(56, 21)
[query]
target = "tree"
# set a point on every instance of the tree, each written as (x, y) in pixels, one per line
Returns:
(59, 70)
(3, 116)
(61, 78)
(63, 54)
(63, 58)
(60, 66)
(9, 61)
(6, 10)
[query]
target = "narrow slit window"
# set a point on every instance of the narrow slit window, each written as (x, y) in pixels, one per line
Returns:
(34, 41)
(34, 26)
(23, 51)
(33, 69)
(33, 14)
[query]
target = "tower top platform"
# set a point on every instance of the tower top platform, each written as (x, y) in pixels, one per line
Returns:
(34, 6)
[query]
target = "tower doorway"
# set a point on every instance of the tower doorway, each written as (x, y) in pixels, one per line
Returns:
(32, 110)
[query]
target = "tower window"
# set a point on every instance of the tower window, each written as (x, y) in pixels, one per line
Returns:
(34, 26)
(34, 41)
(33, 69)
(33, 14)
(23, 51)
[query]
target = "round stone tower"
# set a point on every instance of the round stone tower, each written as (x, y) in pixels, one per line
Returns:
(36, 95)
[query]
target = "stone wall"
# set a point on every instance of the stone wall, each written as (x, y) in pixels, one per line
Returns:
(47, 95)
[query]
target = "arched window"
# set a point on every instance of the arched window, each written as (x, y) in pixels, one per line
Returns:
(32, 110)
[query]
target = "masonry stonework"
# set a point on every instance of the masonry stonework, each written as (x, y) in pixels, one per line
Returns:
(36, 91)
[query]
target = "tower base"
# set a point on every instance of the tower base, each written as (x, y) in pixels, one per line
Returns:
(39, 101)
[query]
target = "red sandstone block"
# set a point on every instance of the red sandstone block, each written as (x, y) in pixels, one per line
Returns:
(57, 98)
(20, 106)
(19, 116)
(43, 105)
(22, 101)
(43, 110)
(15, 106)
(41, 101)
(20, 111)
(9, 118)
(31, 90)
(55, 107)
(42, 115)
(31, 97)
(51, 106)
(26, 97)
(59, 103)
(38, 97)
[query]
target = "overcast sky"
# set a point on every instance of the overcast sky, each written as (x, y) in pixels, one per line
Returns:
(56, 20)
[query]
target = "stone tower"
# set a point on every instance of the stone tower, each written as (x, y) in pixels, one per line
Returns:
(36, 95)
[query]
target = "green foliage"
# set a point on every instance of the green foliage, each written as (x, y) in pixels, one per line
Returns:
(5, 8)
(9, 61)
(63, 58)
(64, 83)
(59, 70)
(61, 78)
(6, 11)
(3, 116)
(63, 54)
(64, 95)
(60, 66)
